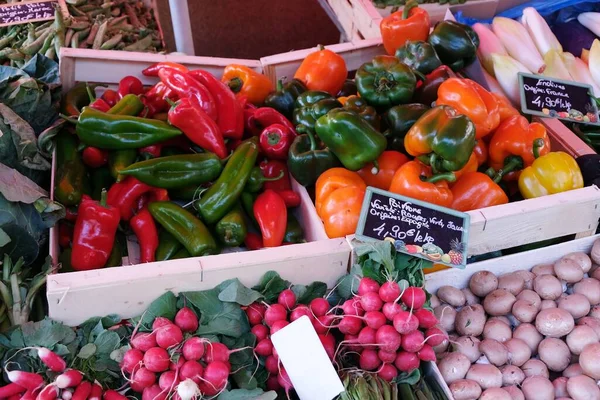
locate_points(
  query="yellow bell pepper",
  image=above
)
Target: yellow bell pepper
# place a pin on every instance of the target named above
(552, 173)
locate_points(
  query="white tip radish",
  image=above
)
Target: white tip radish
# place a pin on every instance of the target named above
(83, 391)
(113, 395)
(50, 392)
(96, 392)
(188, 390)
(28, 380)
(52, 360)
(69, 379)
(66, 394)
(10, 390)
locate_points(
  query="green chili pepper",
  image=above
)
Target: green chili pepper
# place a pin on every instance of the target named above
(257, 179)
(247, 199)
(71, 172)
(75, 99)
(284, 98)
(293, 230)
(167, 246)
(231, 229)
(182, 253)
(118, 160)
(130, 104)
(116, 255)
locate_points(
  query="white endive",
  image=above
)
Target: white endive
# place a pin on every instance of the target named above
(539, 31)
(590, 20)
(555, 66)
(506, 69)
(492, 83)
(518, 43)
(488, 44)
(579, 71)
(594, 61)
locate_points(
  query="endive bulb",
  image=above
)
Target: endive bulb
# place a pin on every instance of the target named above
(518, 43)
(590, 20)
(488, 44)
(555, 66)
(594, 61)
(492, 83)
(585, 56)
(579, 71)
(506, 69)
(539, 31)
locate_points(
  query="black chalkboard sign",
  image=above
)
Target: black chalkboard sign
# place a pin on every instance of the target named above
(555, 98)
(24, 12)
(417, 228)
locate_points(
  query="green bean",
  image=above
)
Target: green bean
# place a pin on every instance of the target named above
(112, 42)
(75, 2)
(79, 25)
(81, 35)
(115, 12)
(4, 53)
(77, 12)
(51, 53)
(88, 7)
(116, 21)
(36, 45)
(74, 42)
(69, 35)
(5, 41)
(99, 39)
(93, 32)
(47, 43)
(43, 26)
(16, 55)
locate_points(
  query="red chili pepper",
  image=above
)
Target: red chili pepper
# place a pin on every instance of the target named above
(130, 85)
(275, 141)
(124, 195)
(198, 126)
(100, 104)
(272, 169)
(157, 194)
(154, 98)
(145, 229)
(94, 157)
(152, 151)
(253, 241)
(65, 234)
(155, 68)
(231, 115)
(70, 214)
(94, 233)
(142, 202)
(110, 97)
(270, 212)
(264, 117)
(186, 86)
(291, 198)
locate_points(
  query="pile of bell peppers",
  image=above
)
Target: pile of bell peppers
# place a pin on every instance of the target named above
(190, 166)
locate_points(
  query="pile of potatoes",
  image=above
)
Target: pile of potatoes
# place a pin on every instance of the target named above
(532, 335)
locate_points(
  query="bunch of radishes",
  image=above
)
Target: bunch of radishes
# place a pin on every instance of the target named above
(163, 363)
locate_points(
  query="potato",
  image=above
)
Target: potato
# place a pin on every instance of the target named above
(583, 388)
(524, 311)
(543, 269)
(515, 392)
(538, 388)
(590, 288)
(572, 370)
(512, 282)
(581, 336)
(446, 315)
(451, 295)
(518, 351)
(469, 346)
(482, 283)
(555, 354)
(582, 259)
(470, 297)
(497, 330)
(594, 311)
(470, 320)
(530, 335)
(495, 352)
(547, 304)
(560, 386)
(576, 304)
(568, 270)
(588, 359)
(534, 367)
(531, 297)
(548, 287)
(454, 367)
(592, 322)
(595, 274)
(499, 302)
(495, 394)
(511, 375)
(528, 278)
(442, 347)
(595, 253)
(465, 389)
(434, 301)
(486, 375)
(501, 318)
(554, 322)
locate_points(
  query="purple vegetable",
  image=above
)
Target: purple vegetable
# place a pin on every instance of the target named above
(573, 36)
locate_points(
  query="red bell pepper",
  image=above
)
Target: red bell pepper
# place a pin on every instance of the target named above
(100, 105)
(152, 151)
(270, 212)
(272, 169)
(110, 97)
(144, 228)
(70, 214)
(94, 157)
(197, 126)
(124, 195)
(186, 86)
(264, 117)
(65, 234)
(275, 141)
(231, 114)
(253, 241)
(130, 85)
(94, 233)
(154, 69)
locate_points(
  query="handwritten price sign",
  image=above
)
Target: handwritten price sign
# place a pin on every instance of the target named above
(30, 11)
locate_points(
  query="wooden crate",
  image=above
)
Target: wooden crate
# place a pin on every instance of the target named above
(564, 138)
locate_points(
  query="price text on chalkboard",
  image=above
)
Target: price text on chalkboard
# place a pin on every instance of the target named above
(23, 12)
(555, 98)
(417, 228)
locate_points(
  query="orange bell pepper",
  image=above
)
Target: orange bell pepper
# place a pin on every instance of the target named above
(471, 99)
(244, 81)
(412, 23)
(515, 145)
(414, 180)
(323, 70)
(505, 107)
(341, 211)
(388, 163)
(333, 179)
(475, 190)
(471, 166)
(481, 152)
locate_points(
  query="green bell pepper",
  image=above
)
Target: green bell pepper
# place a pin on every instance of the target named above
(419, 55)
(307, 160)
(360, 106)
(348, 89)
(182, 253)
(399, 119)
(118, 160)
(231, 229)
(71, 173)
(167, 246)
(455, 44)
(312, 105)
(385, 82)
(293, 230)
(352, 139)
(284, 98)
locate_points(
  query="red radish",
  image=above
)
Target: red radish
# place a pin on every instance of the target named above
(406, 361)
(353, 307)
(388, 338)
(386, 356)
(191, 370)
(168, 380)
(328, 342)
(113, 395)
(160, 321)
(255, 313)
(414, 297)
(287, 298)
(96, 393)
(132, 360)
(350, 325)
(389, 292)
(141, 379)
(426, 353)
(156, 360)
(285, 382)
(278, 325)
(28, 380)
(14, 397)
(67, 394)
(349, 340)
(405, 322)
(319, 306)
(323, 323)
(387, 372)
(375, 319)
(368, 360)
(413, 341)
(390, 310)
(367, 285)
(260, 331)
(301, 311)
(216, 352)
(30, 395)
(367, 335)
(143, 341)
(273, 383)
(10, 390)
(264, 348)
(371, 302)
(50, 392)
(175, 366)
(69, 379)
(275, 353)
(168, 336)
(83, 391)
(426, 318)
(188, 390)
(435, 336)
(272, 365)
(186, 320)
(193, 348)
(52, 360)
(154, 393)
(214, 378)
(275, 312)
